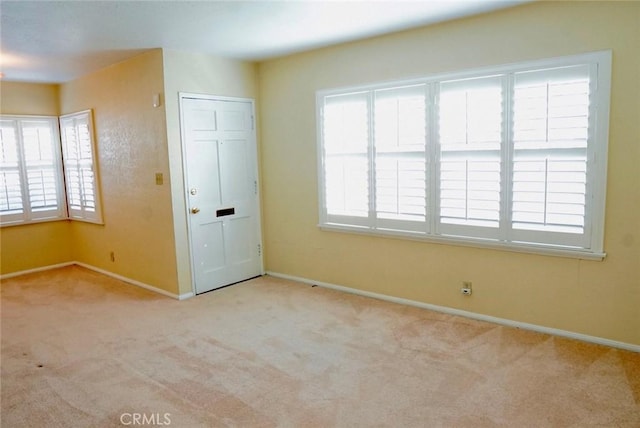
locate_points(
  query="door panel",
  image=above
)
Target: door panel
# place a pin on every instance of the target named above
(241, 250)
(210, 259)
(233, 120)
(234, 172)
(221, 175)
(206, 159)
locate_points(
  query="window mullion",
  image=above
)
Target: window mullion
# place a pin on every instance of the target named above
(506, 157)
(434, 166)
(592, 185)
(24, 175)
(429, 151)
(371, 153)
(61, 192)
(64, 193)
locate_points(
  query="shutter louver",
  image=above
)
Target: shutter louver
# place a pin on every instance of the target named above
(41, 165)
(470, 140)
(42, 189)
(30, 172)
(79, 166)
(346, 140)
(400, 156)
(11, 198)
(550, 133)
(10, 185)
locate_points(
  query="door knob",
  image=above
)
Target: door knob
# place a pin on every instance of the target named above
(195, 210)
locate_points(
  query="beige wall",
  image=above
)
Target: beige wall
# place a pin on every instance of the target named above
(200, 74)
(132, 148)
(35, 245)
(29, 98)
(601, 299)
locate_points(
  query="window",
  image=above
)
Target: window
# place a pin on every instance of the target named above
(34, 168)
(510, 157)
(30, 170)
(80, 170)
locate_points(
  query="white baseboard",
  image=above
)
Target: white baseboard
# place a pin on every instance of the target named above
(104, 272)
(466, 314)
(135, 282)
(39, 269)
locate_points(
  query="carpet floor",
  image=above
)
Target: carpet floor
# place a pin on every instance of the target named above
(83, 350)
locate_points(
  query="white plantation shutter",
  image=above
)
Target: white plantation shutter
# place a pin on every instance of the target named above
(11, 204)
(551, 118)
(511, 157)
(373, 158)
(346, 136)
(470, 141)
(78, 151)
(400, 156)
(30, 173)
(41, 165)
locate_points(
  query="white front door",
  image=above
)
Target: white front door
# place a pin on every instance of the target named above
(222, 190)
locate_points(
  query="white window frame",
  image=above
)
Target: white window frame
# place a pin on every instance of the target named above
(29, 214)
(63, 212)
(597, 150)
(85, 211)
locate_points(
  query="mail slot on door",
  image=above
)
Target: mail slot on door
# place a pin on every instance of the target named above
(225, 212)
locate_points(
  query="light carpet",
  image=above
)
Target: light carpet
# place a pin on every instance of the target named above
(80, 349)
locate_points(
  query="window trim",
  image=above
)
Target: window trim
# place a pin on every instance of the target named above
(82, 214)
(64, 212)
(27, 217)
(596, 157)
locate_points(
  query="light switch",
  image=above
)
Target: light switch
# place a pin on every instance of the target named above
(159, 179)
(156, 100)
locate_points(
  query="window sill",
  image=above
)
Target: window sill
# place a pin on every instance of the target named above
(27, 223)
(546, 250)
(49, 220)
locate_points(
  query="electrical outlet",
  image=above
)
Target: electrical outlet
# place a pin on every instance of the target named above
(466, 288)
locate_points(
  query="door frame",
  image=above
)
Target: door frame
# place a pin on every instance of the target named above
(185, 184)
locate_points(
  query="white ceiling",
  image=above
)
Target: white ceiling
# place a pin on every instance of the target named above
(57, 41)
